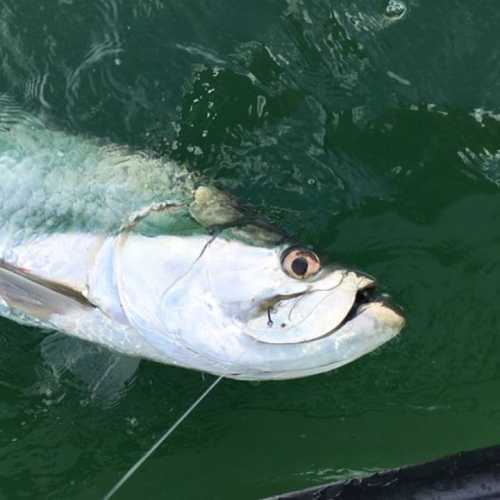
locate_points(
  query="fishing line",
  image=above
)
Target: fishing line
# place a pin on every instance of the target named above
(158, 443)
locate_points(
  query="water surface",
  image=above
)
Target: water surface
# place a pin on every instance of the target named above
(372, 133)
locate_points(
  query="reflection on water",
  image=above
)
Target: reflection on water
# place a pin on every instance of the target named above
(369, 129)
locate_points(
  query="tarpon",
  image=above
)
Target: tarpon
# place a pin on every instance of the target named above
(125, 250)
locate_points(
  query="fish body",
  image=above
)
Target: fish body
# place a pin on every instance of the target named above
(122, 249)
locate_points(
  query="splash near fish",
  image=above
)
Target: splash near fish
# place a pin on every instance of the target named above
(126, 250)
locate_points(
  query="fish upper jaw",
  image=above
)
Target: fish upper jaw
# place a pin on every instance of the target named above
(369, 300)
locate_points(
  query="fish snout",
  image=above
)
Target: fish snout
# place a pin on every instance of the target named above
(370, 299)
(391, 316)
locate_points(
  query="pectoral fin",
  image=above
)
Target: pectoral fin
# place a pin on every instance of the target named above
(102, 374)
(37, 297)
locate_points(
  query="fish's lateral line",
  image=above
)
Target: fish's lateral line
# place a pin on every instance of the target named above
(158, 443)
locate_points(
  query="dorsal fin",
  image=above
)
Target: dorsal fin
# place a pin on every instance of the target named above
(212, 207)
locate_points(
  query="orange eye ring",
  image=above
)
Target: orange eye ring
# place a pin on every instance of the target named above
(300, 263)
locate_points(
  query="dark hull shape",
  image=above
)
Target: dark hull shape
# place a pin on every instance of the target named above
(469, 475)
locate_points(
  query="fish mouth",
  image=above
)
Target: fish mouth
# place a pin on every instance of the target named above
(340, 299)
(369, 298)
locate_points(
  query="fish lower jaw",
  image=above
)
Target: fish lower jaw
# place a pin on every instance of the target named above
(384, 313)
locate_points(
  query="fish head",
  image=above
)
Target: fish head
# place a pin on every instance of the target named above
(291, 315)
(242, 300)
(252, 309)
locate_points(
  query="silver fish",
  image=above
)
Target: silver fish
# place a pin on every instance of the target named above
(122, 249)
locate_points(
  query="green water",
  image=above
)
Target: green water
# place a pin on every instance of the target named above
(374, 138)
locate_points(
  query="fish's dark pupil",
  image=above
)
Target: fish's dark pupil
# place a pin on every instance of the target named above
(299, 266)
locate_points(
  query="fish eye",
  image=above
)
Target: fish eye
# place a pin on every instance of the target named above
(300, 263)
